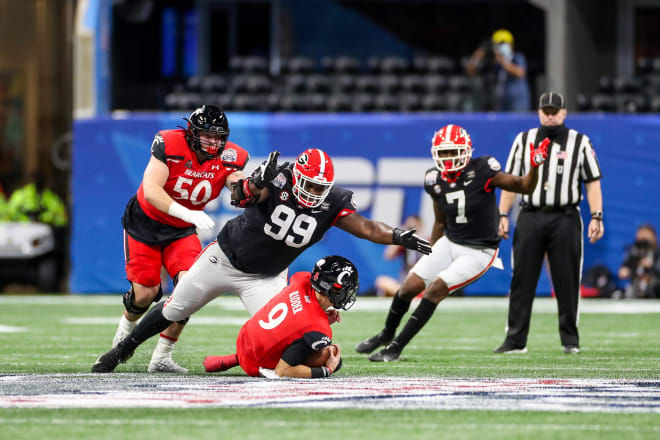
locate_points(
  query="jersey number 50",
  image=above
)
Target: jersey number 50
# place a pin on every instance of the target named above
(285, 220)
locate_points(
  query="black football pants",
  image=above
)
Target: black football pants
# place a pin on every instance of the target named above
(560, 235)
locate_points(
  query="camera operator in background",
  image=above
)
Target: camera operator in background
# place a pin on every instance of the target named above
(641, 265)
(506, 72)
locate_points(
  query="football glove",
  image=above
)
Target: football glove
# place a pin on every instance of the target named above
(241, 195)
(198, 218)
(539, 154)
(266, 172)
(410, 240)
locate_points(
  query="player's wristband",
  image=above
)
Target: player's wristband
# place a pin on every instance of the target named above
(503, 214)
(318, 372)
(597, 215)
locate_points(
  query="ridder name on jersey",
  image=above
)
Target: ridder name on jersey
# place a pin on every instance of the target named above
(296, 304)
(199, 174)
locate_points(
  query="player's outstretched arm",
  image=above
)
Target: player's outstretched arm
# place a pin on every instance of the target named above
(379, 232)
(527, 183)
(252, 190)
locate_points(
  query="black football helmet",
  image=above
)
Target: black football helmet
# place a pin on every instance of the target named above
(210, 121)
(337, 278)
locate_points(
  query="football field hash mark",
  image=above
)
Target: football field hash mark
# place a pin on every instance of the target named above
(158, 391)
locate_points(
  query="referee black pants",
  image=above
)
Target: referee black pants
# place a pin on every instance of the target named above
(559, 234)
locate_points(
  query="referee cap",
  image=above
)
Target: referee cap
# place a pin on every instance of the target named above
(502, 36)
(553, 100)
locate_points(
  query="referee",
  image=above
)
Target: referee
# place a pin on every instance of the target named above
(550, 222)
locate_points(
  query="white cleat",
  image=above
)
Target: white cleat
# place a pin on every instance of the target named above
(165, 365)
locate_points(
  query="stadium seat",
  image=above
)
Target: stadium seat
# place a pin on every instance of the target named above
(213, 84)
(363, 102)
(367, 84)
(644, 65)
(413, 84)
(249, 64)
(631, 103)
(605, 84)
(385, 102)
(339, 103)
(317, 83)
(248, 102)
(294, 83)
(409, 102)
(340, 64)
(582, 102)
(458, 102)
(434, 103)
(434, 64)
(389, 84)
(651, 83)
(302, 65)
(459, 83)
(194, 84)
(343, 83)
(293, 103)
(602, 103)
(624, 84)
(435, 83)
(655, 64)
(655, 104)
(388, 65)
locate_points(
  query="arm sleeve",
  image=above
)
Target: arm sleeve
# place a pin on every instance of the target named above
(299, 349)
(430, 179)
(158, 148)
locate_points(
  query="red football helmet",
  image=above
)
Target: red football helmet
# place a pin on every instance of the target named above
(313, 177)
(451, 148)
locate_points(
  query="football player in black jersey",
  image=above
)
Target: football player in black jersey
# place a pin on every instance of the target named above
(464, 236)
(287, 209)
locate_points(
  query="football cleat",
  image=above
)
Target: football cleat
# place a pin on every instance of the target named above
(213, 364)
(165, 364)
(571, 349)
(372, 343)
(390, 353)
(107, 362)
(509, 348)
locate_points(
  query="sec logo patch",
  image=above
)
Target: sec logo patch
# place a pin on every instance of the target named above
(284, 196)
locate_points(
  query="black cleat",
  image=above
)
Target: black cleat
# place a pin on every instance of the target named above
(508, 347)
(390, 353)
(372, 343)
(107, 362)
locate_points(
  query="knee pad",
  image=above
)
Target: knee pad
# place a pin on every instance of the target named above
(129, 303)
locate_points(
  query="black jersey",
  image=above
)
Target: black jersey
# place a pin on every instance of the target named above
(469, 204)
(268, 236)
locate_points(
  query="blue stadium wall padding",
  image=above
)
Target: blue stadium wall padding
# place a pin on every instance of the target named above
(381, 157)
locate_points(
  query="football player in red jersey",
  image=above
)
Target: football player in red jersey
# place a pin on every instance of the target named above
(464, 236)
(188, 168)
(279, 339)
(286, 212)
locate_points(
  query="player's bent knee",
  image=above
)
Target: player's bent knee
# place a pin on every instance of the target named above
(129, 303)
(437, 291)
(412, 286)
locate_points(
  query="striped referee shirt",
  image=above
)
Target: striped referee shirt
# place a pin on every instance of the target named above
(562, 174)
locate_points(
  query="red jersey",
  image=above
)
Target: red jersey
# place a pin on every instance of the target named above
(190, 183)
(292, 314)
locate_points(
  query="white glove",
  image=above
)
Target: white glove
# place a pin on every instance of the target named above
(198, 218)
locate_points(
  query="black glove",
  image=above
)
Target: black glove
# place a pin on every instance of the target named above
(410, 240)
(265, 172)
(241, 196)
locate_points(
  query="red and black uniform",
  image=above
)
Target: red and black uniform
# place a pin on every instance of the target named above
(291, 318)
(154, 238)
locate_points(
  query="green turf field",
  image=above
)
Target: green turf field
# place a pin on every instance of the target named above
(65, 334)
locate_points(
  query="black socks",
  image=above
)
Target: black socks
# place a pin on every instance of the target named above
(419, 318)
(398, 308)
(151, 324)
